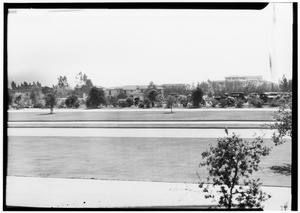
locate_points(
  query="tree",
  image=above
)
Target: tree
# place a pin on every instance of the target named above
(33, 97)
(13, 85)
(152, 95)
(230, 161)
(83, 84)
(197, 97)
(38, 84)
(283, 123)
(121, 95)
(62, 81)
(284, 84)
(129, 102)
(95, 97)
(50, 101)
(25, 85)
(171, 99)
(46, 90)
(204, 86)
(72, 101)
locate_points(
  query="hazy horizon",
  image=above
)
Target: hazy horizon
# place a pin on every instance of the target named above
(134, 47)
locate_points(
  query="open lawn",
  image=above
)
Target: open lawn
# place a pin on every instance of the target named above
(143, 115)
(143, 159)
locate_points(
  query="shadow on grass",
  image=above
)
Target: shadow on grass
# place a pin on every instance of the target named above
(286, 169)
(46, 114)
(169, 113)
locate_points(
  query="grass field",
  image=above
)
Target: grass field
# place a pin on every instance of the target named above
(147, 159)
(143, 115)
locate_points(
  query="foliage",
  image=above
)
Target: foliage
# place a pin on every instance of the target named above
(50, 101)
(113, 101)
(278, 102)
(83, 83)
(152, 96)
(197, 97)
(239, 103)
(121, 95)
(61, 103)
(230, 165)
(256, 102)
(144, 104)
(285, 84)
(62, 81)
(129, 102)
(171, 99)
(122, 103)
(283, 123)
(72, 102)
(17, 101)
(214, 102)
(95, 98)
(223, 103)
(183, 100)
(46, 90)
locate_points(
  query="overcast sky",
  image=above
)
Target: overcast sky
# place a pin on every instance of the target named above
(122, 47)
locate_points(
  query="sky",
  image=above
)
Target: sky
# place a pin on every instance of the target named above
(134, 47)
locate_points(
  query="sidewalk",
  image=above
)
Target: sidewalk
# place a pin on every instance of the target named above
(58, 192)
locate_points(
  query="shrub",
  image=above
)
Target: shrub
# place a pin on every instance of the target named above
(214, 103)
(183, 100)
(278, 102)
(159, 104)
(230, 165)
(147, 103)
(61, 104)
(197, 97)
(95, 98)
(141, 104)
(122, 103)
(72, 102)
(39, 104)
(239, 103)
(223, 103)
(256, 102)
(50, 101)
(283, 124)
(17, 101)
(129, 102)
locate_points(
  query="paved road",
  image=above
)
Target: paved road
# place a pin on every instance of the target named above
(66, 193)
(144, 124)
(130, 132)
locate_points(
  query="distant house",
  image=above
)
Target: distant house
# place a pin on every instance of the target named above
(25, 91)
(256, 80)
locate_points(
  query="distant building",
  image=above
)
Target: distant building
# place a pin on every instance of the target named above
(257, 80)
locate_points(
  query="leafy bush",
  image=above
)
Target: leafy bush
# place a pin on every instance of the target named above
(283, 124)
(129, 102)
(144, 104)
(50, 101)
(239, 103)
(256, 102)
(122, 103)
(39, 104)
(230, 165)
(223, 103)
(72, 101)
(183, 100)
(197, 97)
(147, 103)
(278, 102)
(61, 104)
(95, 98)
(214, 102)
